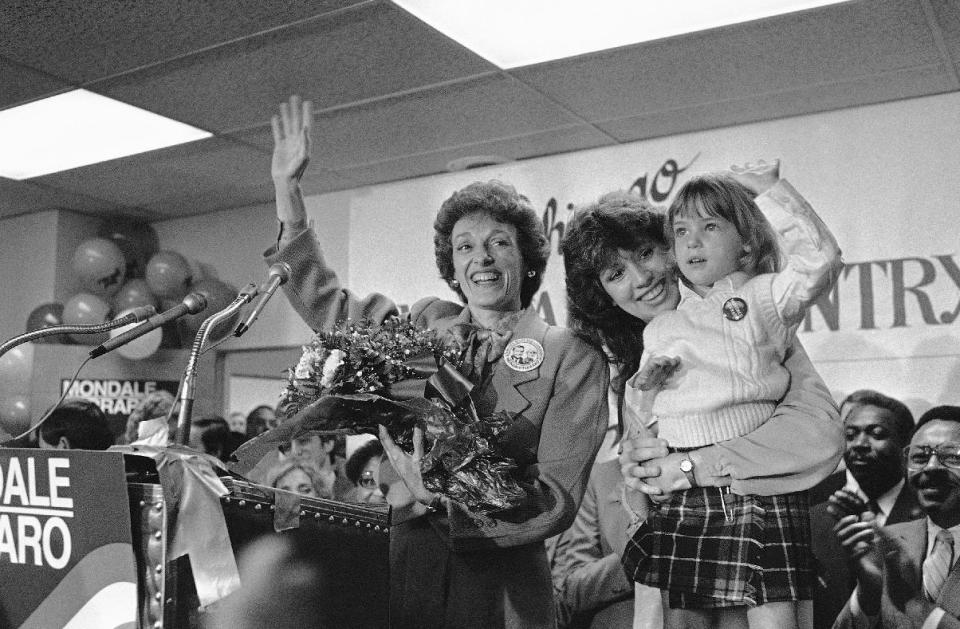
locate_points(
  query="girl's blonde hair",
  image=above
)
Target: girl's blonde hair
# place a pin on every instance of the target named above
(723, 196)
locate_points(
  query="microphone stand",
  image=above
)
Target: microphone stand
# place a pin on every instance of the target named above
(90, 328)
(188, 384)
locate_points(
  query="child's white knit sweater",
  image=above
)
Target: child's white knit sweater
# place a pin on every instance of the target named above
(732, 342)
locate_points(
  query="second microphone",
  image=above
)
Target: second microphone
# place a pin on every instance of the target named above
(191, 304)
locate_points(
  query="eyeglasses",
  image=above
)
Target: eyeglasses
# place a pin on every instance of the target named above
(367, 480)
(918, 457)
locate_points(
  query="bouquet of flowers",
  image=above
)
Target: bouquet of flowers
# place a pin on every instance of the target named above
(353, 378)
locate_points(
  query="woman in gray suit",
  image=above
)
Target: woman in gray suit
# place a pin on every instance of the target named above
(451, 567)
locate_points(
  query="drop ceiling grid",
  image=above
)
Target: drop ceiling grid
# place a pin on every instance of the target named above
(735, 62)
(357, 55)
(84, 40)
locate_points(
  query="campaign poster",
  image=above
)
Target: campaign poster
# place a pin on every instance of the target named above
(66, 555)
(116, 397)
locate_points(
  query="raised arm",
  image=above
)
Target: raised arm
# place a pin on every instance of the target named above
(313, 290)
(810, 260)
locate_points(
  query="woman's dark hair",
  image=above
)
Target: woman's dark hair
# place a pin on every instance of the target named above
(257, 420)
(594, 236)
(721, 195)
(504, 204)
(358, 460)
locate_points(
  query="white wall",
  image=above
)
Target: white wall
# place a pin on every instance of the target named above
(28, 272)
(886, 179)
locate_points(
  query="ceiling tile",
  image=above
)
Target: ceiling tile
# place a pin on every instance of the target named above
(22, 197)
(947, 15)
(516, 148)
(19, 84)
(867, 90)
(82, 40)
(484, 109)
(833, 44)
(353, 56)
(216, 170)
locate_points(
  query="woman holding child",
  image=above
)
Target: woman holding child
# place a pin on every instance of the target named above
(722, 559)
(451, 567)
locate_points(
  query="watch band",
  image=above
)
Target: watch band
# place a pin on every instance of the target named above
(686, 466)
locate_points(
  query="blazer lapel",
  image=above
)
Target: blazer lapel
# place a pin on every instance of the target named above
(509, 382)
(905, 508)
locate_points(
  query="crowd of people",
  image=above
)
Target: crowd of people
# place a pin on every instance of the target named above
(736, 493)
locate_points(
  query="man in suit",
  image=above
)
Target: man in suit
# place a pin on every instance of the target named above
(592, 589)
(907, 574)
(876, 429)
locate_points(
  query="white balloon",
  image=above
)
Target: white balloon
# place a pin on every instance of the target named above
(139, 348)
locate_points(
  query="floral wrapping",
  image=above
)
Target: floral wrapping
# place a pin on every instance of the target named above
(353, 378)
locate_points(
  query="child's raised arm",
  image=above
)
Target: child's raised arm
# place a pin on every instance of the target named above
(810, 255)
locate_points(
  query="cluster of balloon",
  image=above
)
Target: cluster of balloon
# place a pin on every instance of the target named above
(16, 372)
(122, 268)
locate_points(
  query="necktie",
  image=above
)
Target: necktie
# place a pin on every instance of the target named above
(937, 565)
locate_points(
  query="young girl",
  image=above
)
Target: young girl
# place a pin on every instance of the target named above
(712, 371)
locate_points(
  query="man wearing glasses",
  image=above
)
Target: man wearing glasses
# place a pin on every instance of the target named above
(907, 574)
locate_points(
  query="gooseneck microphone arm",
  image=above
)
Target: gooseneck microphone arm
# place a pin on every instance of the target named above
(188, 384)
(279, 273)
(191, 304)
(134, 316)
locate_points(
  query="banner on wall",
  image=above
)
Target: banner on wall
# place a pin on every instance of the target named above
(66, 555)
(117, 397)
(882, 177)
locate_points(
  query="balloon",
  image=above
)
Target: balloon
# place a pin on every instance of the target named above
(140, 347)
(85, 309)
(136, 240)
(46, 316)
(168, 275)
(219, 295)
(16, 370)
(14, 413)
(100, 266)
(133, 294)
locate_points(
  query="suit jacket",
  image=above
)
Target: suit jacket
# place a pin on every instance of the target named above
(462, 569)
(835, 580)
(592, 585)
(912, 537)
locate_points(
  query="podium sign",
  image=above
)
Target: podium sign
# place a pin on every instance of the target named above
(66, 558)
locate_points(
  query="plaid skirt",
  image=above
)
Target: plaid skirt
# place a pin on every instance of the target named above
(711, 548)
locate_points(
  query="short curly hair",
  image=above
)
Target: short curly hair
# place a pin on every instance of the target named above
(154, 405)
(594, 236)
(503, 203)
(284, 467)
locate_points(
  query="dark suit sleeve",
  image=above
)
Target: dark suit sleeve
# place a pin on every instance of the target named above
(589, 578)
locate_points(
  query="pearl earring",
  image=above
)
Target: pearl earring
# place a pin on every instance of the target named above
(531, 273)
(454, 283)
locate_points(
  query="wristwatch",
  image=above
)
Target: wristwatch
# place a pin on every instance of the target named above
(686, 466)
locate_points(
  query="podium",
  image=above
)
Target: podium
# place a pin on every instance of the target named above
(89, 538)
(348, 542)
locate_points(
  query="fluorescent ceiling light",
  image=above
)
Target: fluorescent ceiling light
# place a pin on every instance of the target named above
(512, 33)
(80, 128)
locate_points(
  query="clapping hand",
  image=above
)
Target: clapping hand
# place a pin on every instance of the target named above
(758, 177)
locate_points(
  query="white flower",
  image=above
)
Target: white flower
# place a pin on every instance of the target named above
(330, 367)
(305, 367)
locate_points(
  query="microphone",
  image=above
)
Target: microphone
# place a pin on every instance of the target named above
(191, 304)
(279, 273)
(138, 314)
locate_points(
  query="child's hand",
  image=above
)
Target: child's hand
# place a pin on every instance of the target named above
(655, 373)
(758, 177)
